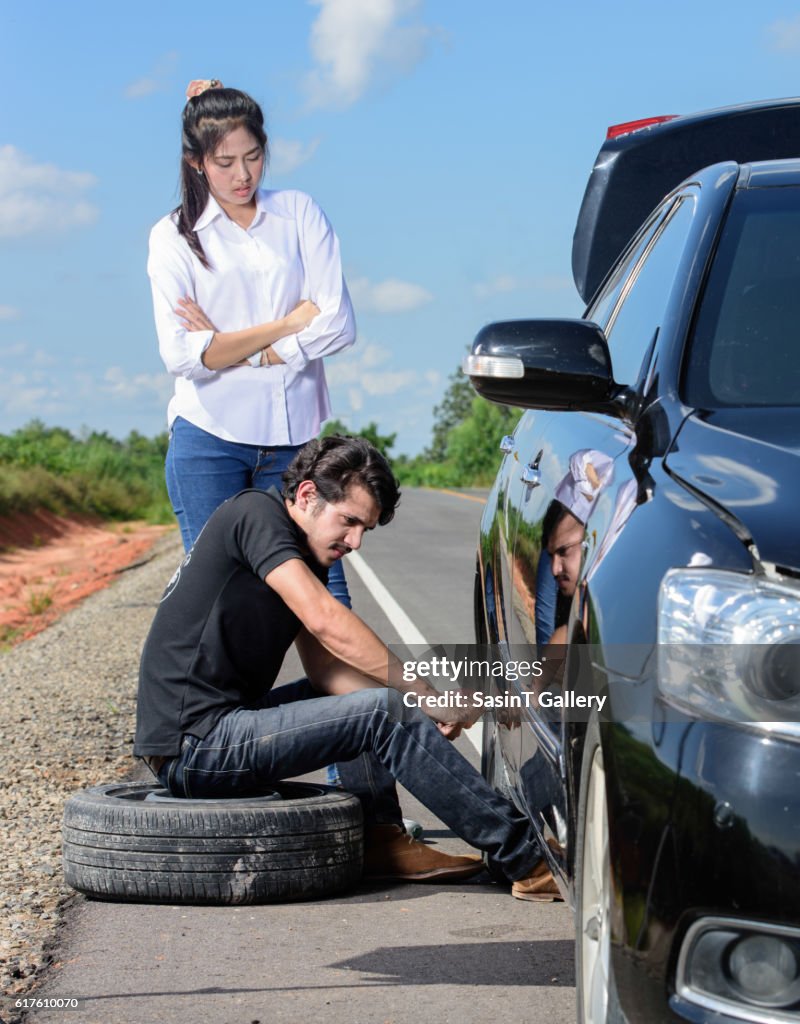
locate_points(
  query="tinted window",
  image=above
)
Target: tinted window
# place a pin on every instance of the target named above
(744, 349)
(634, 324)
(604, 304)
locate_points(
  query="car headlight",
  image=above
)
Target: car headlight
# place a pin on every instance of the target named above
(741, 969)
(729, 647)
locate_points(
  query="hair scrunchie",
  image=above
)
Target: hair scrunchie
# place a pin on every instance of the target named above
(199, 85)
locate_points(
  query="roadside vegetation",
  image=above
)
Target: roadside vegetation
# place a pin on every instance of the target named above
(95, 474)
(49, 468)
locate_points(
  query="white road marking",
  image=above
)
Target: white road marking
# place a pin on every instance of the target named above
(406, 630)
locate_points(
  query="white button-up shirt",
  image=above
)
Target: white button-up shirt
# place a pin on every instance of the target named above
(288, 253)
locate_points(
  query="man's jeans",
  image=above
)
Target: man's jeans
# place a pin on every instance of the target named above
(295, 733)
(202, 471)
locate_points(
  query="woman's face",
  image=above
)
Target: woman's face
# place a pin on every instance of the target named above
(234, 169)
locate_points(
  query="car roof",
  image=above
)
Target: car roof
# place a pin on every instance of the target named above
(636, 169)
(770, 174)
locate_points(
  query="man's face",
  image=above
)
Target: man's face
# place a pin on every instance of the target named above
(335, 529)
(565, 548)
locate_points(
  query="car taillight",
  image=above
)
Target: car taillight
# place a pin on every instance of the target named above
(634, 126)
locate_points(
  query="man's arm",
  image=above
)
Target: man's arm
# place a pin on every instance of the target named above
(340, 631)
(328, 674)
(351, 650)
(331, 677)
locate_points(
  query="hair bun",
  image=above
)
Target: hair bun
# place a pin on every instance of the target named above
(199, 85)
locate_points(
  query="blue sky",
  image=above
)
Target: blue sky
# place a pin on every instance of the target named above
(449, 142)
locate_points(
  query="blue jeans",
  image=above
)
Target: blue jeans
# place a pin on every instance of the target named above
(202, 471)
(546, 598)
(297, 732)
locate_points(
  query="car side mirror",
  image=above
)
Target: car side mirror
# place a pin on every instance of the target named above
(544, 364)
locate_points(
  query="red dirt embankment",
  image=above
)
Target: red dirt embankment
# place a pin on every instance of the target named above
(48, 564)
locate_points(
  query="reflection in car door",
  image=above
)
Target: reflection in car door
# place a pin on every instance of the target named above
(583, 477)
(518, 491)
(578, 469)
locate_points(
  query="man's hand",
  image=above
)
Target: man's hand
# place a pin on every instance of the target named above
(450, 730)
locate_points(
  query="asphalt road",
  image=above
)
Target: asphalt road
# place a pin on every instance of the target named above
(388, 954)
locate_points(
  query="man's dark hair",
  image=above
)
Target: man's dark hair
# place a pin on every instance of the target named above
(336, 463)
(556, 511)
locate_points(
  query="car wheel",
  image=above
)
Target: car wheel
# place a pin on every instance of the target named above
(596, 990)
(133, 841)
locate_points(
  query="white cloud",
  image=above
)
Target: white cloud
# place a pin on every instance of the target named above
(34, 383)
(42, 358)
(367, 386)
(496, 285)
(19, 348)
(388, 382)
(41, 197)
(389, 296)
(374, 355)
(135, 387)
(502, 283)
(9, 313)
(33, 359)
(24, 397)
(356, 42)
(783, 35)
(288, 154)
(349, 367)
(366, 367)
(156, 80)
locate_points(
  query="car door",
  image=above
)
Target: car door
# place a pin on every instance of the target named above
(521, 495)
(583, 468)
(579, 466)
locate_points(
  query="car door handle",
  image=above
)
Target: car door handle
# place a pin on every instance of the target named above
(507, 445)
(531, 474)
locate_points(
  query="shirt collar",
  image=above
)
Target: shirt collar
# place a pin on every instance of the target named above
(211, 212)
(265, 204)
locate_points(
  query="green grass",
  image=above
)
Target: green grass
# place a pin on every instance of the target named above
(8, 634)
(49, 468)
(39, 602)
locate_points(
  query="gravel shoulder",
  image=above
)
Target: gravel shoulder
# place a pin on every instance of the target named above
(68, 698)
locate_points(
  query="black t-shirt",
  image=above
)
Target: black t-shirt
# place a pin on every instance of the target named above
(221, 633)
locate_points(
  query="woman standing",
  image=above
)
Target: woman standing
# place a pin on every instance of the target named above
(249, 297)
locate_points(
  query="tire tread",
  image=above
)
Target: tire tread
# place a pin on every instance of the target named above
(211, 852)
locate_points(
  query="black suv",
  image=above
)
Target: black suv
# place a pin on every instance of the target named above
(643, 539)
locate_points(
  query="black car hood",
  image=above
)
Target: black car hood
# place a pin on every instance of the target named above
(747, 461)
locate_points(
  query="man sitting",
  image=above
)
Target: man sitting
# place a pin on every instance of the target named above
(210, 725)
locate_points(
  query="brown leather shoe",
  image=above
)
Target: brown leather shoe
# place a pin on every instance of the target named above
(390, 854)
(538, 887)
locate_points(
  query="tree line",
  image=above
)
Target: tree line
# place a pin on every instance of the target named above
(95, 474)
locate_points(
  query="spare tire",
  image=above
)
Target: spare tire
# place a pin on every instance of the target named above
(133, 841)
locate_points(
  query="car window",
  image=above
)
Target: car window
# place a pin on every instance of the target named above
(645, 296)
(744, 350)
(603, 306)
